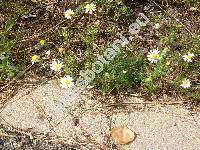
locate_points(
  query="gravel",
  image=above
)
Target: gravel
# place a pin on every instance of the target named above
(13, 140)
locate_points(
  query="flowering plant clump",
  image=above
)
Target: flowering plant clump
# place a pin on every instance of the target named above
(34, 59)
(68, 14)
(103, 45)
(89, 8)
(188, 57)
(186, 83)
(56, 65)
(153, 56)
(66, 82)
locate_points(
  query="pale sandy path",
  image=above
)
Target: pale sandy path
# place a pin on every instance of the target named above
(44, 110)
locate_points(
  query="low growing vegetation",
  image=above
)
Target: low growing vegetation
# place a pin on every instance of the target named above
(59, 39)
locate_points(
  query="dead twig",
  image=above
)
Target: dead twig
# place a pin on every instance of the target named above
(6, 135)
(146, 103)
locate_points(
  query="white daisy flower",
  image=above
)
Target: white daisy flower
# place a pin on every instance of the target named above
(34, 59)
(153, 56)
(188, 57)
(66, 82)
(186, 83)
(68, 14)
(56, 65)
(89, 8)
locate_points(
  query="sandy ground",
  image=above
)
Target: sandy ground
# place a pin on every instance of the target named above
(83, 121)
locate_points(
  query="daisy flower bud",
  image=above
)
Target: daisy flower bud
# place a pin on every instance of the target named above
(97, 23)
(48, 52)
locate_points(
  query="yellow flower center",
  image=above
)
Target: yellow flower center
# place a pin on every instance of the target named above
(42, 42)
(68, 13)
(184, 83)
(189, 57)
(154, 56)
(67, 82)
(34, 58)
(57, 66)
(89, 7)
